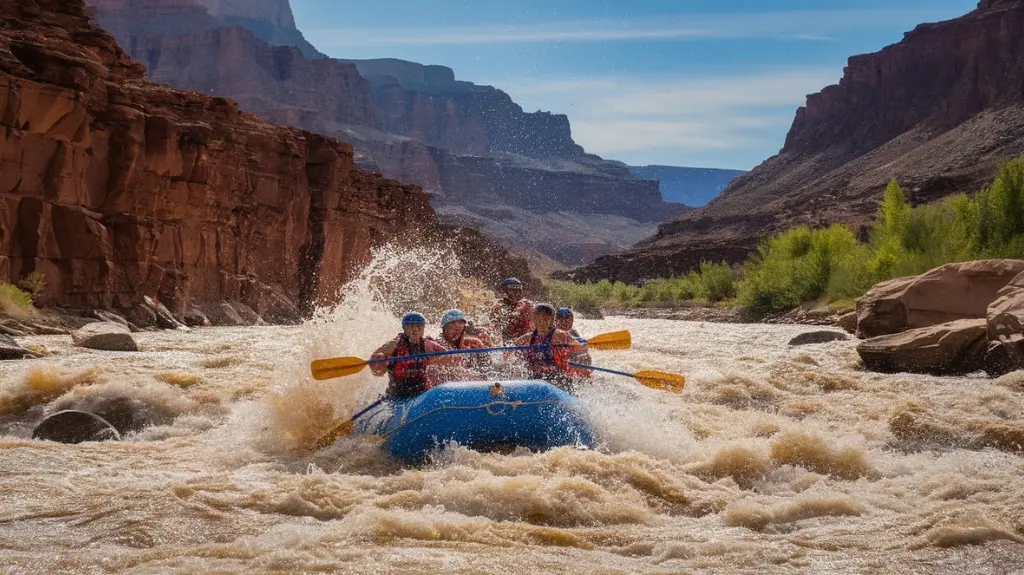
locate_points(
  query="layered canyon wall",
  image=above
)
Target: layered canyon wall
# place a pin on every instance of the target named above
(468, 146)
(116, 188)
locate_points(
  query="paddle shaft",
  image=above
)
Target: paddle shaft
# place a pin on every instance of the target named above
(606, 370)
(457, 351)
(368, 408)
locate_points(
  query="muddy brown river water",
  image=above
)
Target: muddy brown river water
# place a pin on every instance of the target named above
(774, 459)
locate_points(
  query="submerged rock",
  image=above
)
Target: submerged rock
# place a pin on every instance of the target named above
(107, 336)
(73, 426)
(812, 337)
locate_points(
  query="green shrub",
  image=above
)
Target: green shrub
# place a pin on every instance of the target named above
(14, 300)
(796, 266)
(624, 294)
(34, 283)
(714, 282)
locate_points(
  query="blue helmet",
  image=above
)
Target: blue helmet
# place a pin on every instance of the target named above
(512, 282)
(564, 312)
(413, 318)
(452, 315)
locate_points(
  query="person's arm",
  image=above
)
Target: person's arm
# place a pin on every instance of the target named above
(383, 351)
(480, 360)
(575, 351)
(432, 346)
(521, 340)
(560, 350)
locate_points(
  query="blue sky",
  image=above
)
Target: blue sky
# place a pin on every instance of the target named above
(711, 83)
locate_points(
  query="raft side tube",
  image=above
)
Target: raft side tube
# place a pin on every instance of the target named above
(481, 415)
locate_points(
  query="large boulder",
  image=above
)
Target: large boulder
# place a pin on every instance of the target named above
(109, 316)
(141, 316)
(193, 317)
(947, 293)
(277, 309)
(103, 335)
(1006, 314)
(9, 349)
(953, 348)
(248, 315)
(164, 318)
(224, 314)
(1006, 329)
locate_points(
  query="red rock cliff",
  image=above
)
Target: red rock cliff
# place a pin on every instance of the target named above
(465, 144)
(939, 111)
(116, 188)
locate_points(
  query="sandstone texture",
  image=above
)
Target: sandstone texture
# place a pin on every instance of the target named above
(948, 293)
(939, 110)
(470, 147)
(953, 348)
(954, 319)
(118, 189)
(1005, 318)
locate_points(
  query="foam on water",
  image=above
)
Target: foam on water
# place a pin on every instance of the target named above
(772, 459)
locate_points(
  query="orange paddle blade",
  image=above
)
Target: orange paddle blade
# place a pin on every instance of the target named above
(610, 341)
(661, 380)
(336, 367)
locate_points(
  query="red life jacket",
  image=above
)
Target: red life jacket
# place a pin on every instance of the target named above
(548, 363)
(407, 377)
(546, 360)
(516, 321)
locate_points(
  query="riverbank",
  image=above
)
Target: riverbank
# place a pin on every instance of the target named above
(811, 315)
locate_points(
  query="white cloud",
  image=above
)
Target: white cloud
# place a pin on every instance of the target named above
(808, 25)
(628, 116)
(654, 95)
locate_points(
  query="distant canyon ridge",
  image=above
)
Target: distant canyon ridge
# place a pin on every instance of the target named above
(940, 111)
(518, 177)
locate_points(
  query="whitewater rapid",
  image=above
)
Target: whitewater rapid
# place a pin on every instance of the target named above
(774, 459)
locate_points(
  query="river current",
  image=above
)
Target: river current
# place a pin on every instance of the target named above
(773, 459)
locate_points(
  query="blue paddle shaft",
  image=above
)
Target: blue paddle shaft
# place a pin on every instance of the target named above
(368, 408)
(451, 352)
(574, 364)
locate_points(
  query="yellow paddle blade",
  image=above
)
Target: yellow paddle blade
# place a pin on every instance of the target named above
(343, 430)
(336, 367)
(661, 380)
(609, 341)
(328, 438)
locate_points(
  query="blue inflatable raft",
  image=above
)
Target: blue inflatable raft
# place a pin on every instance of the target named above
(481, 415)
